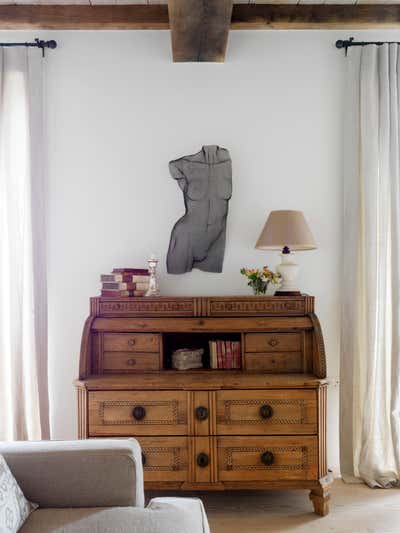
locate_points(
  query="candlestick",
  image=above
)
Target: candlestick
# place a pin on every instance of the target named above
(153, 289)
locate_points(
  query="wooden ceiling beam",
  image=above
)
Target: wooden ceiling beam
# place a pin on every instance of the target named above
(84, 17)
(155, 17)
(306, 16)
(199, 29)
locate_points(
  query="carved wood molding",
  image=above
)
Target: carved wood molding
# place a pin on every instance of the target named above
(207, 306)
(255, 307)
(82, 413)
(148, 307)
(175, 465)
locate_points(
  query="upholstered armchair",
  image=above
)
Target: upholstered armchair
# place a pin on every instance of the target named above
(94, 485)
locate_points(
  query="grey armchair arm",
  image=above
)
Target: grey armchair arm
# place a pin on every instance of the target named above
(84, 473)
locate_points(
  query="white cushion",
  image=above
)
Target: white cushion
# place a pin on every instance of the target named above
(14, 507)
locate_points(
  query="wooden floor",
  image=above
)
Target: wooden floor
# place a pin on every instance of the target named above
(354, 509)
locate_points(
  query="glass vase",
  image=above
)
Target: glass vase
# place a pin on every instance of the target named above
(259, 288)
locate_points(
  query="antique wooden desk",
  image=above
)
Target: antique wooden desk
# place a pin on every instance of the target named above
(260, 427)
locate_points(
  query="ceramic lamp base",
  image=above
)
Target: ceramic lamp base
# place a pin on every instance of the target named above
(288, 269)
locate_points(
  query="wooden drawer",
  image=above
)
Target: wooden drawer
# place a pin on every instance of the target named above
(164, 458)
(275, 362)
(267, 458)
(114, 362)
(118, 413)
(273, 342)
(262, 412)
(131, 342)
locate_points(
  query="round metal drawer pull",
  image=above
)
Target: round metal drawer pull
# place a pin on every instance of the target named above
(267, 458)
(273, 342)
(203, 460)
(131, 342)
(201, 413)
(143, 459)
(131, 362)
(139, 412)
(266, 411)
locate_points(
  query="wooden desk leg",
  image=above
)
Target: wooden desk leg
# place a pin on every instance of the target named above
(321, 495)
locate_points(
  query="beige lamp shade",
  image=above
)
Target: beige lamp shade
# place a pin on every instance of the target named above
(286, 228)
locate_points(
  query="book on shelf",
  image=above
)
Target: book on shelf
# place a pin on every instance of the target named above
(213, 354)
(229, 355)
(121, 294)
(124, 278)
(132, 271)
(237, 355)
(219, 354)
(225, 355)
(116, 286)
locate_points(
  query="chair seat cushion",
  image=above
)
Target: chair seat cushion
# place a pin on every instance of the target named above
(184, 516)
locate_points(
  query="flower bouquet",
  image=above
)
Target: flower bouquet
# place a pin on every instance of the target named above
(259, 279)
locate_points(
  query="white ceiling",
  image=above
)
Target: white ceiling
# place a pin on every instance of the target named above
(54, 2)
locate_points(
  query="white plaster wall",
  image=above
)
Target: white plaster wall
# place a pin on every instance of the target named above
(118, 110)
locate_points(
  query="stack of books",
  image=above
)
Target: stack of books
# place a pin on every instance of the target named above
(225, 355)
(125, 282)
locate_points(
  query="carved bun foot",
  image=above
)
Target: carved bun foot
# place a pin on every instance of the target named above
(321, 495)
(320, 502)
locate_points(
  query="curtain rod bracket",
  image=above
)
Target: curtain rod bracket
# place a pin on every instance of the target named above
(345, 44)
(45, 44)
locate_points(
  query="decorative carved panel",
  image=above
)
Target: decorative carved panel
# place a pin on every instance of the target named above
(300, 451)
(256, 307)
(175, 464)
(170, 409)
(299, 413)
(148, 307)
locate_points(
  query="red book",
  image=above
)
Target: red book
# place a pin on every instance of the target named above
(229, 355)
(233, 365)
(121, 294)
(234, 356)
(136, 271)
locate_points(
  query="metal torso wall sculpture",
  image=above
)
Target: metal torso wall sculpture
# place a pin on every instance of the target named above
(198, 238)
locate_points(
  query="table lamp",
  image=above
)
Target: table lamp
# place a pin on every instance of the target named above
(287, 231)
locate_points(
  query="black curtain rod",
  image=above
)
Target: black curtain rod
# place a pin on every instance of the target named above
(351, 42)
(38, 43)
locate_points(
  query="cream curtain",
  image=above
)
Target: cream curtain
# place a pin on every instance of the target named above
(370, 363)
(23, 313)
